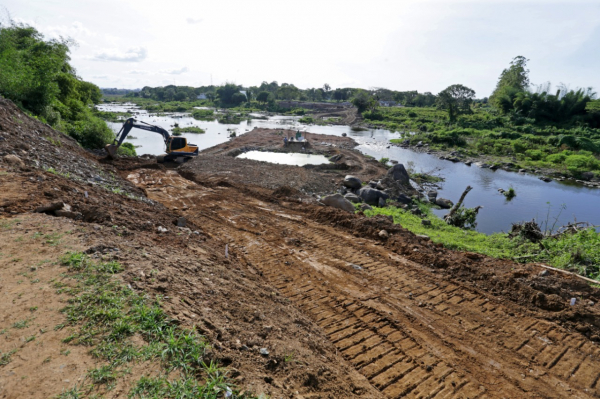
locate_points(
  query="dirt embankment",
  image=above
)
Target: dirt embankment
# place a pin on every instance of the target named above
(223, 298)
(343, 308)
(220, 161)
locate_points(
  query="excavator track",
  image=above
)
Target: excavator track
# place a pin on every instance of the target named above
(409, 332)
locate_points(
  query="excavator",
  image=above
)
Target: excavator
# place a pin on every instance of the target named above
(177, 147)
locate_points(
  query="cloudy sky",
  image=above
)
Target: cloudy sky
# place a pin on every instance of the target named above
(420, 45)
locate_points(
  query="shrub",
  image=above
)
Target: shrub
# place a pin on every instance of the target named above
(91, 132)
(536, 155)
(581, 163)
(127, 149)
(557, 158)
(203, 114)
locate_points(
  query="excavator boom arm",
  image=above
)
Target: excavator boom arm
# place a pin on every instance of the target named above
(131, 123)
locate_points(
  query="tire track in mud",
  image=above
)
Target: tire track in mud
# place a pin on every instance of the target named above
(408, 332)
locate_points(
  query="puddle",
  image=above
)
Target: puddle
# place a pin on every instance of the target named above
(293, 158)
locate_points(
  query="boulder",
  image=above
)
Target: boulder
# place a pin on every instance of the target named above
(338, 201)
(398, 173)
(50, 207)
(404, 199)
(352, 182)
(373, 184)
(381, 202)
(426, 222)
(365, 207)
(432, 195)
(336, 158)
(13, 160)
(383, 234)
(371, 195)
(444, 203)
(353, 198)
(587, 176)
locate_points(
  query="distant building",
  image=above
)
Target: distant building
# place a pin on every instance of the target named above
(387, 103)
(202, 96)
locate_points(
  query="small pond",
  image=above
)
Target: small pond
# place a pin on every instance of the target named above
(291, 158)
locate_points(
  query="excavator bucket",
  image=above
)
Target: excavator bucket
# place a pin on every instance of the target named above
(111, 150)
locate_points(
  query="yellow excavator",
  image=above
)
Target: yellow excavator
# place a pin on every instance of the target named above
(177, 147)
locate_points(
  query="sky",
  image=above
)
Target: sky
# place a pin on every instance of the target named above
(422, 45)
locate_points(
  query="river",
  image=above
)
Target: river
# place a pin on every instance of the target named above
(535, 198)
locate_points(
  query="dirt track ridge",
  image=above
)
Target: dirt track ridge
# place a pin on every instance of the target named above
(410, 333)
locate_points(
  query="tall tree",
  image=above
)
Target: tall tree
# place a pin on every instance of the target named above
(457, 99)
(512, 80)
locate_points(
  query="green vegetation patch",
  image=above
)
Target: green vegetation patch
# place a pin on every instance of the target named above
(203, 114)
(177, 131)
(578, 252)
(105, 315)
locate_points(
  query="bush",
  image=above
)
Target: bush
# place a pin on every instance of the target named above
(203, 114)
(91, 132)
(127, 149)
(535, 155)
(557, 158)
(581, 163)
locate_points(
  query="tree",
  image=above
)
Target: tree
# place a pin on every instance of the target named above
(326, 90)
(456, 99)
(512, 80)
(363, 101)
(237, 98)
(226, 93)
(263, 97)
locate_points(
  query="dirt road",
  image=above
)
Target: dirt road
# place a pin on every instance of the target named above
(404, 326)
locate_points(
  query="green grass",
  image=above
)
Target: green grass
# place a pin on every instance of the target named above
(22, 324)
(177, 131)
(105, 315)
(496, 245)
(579, 252)
(5, 357)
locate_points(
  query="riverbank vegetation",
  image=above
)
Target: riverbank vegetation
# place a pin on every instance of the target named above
(577, 251)
(177, 131)
(35, 74)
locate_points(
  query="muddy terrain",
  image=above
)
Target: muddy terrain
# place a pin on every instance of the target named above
(345, 306)
(221, 161)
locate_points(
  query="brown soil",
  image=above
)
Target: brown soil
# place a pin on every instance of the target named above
(344, 310)
(221, 161)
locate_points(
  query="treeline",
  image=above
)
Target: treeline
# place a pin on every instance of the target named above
(36, 75)
(231, 94)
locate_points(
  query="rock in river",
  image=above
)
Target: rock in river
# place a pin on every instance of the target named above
(444, 203)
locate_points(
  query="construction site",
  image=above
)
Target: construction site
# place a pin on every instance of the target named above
(296, 299)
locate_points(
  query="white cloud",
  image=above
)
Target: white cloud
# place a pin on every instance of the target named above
(176, 71)
(135, 54)
(138, 72)
(100, 77)
(194, 21)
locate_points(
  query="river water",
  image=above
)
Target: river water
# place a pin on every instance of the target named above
(535, 198)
